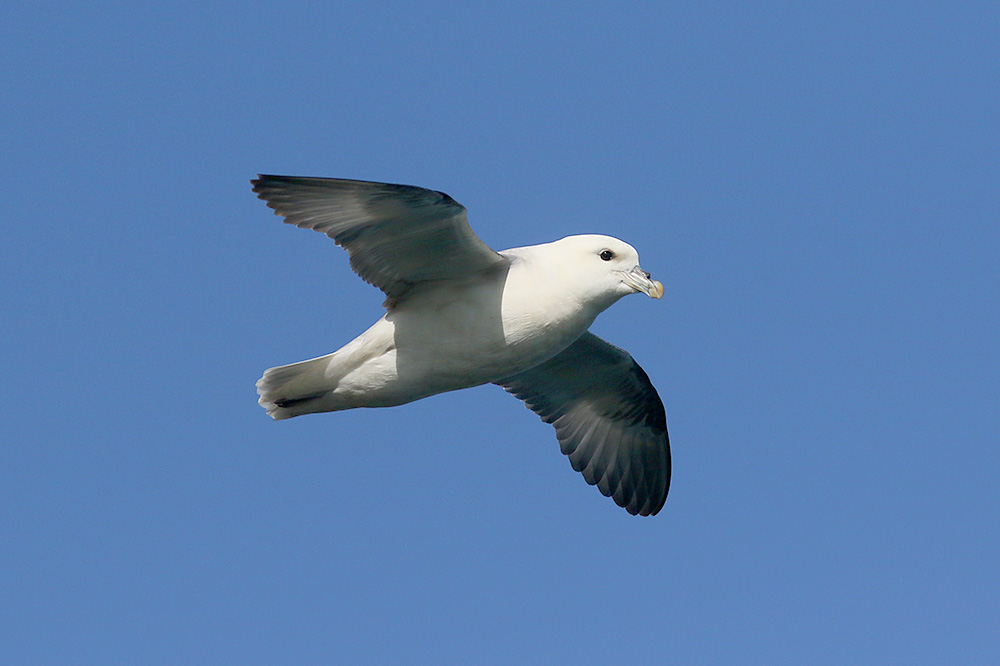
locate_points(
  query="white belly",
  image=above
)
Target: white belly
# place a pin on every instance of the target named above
(443, 340)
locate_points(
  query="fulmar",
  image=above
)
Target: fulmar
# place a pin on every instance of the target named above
(459, 314)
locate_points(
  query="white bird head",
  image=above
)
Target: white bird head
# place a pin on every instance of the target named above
(609, 266)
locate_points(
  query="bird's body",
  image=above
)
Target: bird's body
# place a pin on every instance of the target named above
(443, 338)
(468, 316)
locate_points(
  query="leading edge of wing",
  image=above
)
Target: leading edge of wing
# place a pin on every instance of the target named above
(397, 236)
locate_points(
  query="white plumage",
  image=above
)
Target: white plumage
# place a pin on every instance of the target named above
(459, 314)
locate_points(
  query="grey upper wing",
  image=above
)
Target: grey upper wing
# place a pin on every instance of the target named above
(608, 418)
(397, 235)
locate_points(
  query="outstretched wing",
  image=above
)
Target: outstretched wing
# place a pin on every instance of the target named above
(397, 235)
(608, 418)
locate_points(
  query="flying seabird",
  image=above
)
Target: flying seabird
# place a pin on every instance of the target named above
(459, 314)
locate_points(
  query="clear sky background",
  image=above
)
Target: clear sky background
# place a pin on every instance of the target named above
(816, 185)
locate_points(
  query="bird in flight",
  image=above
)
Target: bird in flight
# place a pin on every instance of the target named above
(459, 314)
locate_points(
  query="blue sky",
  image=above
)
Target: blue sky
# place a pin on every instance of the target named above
(816, 186)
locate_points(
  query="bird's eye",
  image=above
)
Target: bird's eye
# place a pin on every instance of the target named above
(607, 255)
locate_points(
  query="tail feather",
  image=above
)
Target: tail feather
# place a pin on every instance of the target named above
(292, 390)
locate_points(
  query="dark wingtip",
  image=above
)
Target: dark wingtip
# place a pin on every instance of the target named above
(261, 181)
(264, 187)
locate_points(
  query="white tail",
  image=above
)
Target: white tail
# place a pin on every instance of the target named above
(292, 390)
